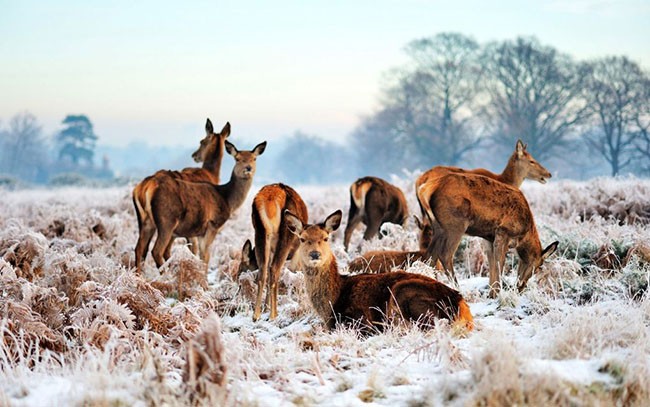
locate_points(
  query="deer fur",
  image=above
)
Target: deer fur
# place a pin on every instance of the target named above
(374, 202)
(194, 209)
(210, 152)
(368, 299)
(387, 260)
(521, 165)
(274, 244)
(480, 206)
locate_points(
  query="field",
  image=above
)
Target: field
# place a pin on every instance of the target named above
(78, 327)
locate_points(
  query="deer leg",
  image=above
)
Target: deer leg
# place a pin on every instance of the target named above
(449, 244)
(263, 251)
(165, 235)
(142, 246)
(279, 259)
(496, 258)
(353, 222)
(194, 246)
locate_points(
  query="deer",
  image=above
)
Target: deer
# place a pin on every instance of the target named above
(464, 203)
(387, 260)
(274, 243)
(210, 152)
(370, 300)
(374, 202)
(521, 165)
(181, 208)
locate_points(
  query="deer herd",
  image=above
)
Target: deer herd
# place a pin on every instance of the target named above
(454, 202)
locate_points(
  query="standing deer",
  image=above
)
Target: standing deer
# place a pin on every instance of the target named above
(194, 209)
(521, 165)
(210, 152)
(274, 243)
(374, 202)
(368, 298)
(387, 260)
(481, 206)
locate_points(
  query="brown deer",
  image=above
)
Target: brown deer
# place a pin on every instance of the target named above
(521, 165)
(374, 202)
(385, 261)
(274, 243)
(210, 152)
(369, 299)
(480, 206)
(194, 209)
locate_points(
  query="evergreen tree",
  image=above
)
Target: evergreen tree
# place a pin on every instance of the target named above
(77, 140)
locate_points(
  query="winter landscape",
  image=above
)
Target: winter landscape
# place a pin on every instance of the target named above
(80, 328)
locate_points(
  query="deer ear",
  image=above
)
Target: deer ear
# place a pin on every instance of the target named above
(259, 149)
(520, 148)
(418, 222)
(230, 148)
(208, 127)
(225, 132)
(550, 249)
(293, 223)
(333, 221)
(247, 249)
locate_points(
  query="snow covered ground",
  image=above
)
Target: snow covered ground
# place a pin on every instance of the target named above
(78, 327)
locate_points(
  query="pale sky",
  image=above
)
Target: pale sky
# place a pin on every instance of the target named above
(154, 70)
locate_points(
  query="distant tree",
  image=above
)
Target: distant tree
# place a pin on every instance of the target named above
(535, 95)
(428, 113)
(642, 124)
(616, 94)
(77, 140)
(312, 160)
(23, 148)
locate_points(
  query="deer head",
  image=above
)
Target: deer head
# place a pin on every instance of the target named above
(210, 142)
(314, 250)
(248, 259)
(526, 165)
(529, 263)
(245, 161)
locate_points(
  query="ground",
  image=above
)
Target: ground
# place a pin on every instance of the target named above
(78, 327)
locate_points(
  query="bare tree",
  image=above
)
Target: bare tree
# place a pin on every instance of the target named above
(428, 111)
(23, 147)
(535, 95)
(616, 91)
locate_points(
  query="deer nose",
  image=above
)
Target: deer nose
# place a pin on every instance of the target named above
(314, 255)
(249, 168)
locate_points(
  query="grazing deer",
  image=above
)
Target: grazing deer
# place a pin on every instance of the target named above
(194, 209)
(210, 152)
(274, 243)
(521, 165)
(481, 206)
(374, 202)
(385, 261)
(368, 298)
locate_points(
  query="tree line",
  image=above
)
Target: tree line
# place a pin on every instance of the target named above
(27, 155)
(458, 102)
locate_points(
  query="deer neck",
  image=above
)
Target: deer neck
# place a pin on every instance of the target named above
(235, 191)
(324, 287)
(213, 163)
(510, 175)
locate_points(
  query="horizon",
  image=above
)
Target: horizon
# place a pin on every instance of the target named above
(153, 72)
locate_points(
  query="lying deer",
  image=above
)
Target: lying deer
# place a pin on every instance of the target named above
(210, 152)
(385, 261)
(521, 165)
(481, 206)
(374, 202)
(368, 298)
(273, 241)
(194, 209)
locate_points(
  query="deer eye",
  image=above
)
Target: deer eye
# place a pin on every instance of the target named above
(303, 240)
(326, 239)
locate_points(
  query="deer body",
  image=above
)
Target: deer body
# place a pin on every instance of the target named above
(385, 261)
(210, 152)
(480, 206)
(274, 244)
(368, 298)
(521, 165)
(374, 202)
(194, 209)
